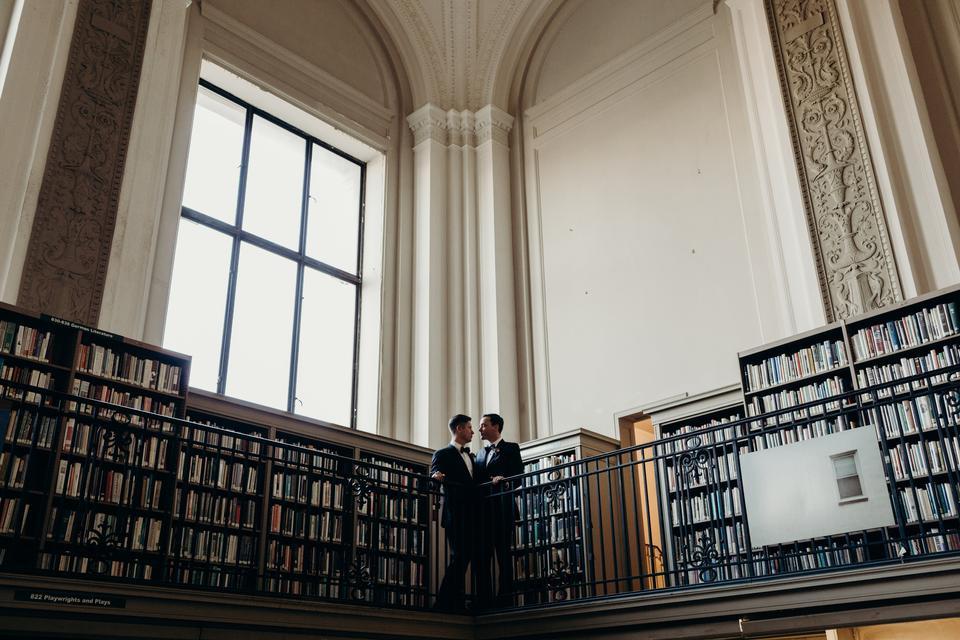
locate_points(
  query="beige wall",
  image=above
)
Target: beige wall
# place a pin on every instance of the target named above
(948, 629)
(642, 223)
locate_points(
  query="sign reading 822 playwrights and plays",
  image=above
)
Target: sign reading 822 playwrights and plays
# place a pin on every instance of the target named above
(70, 598)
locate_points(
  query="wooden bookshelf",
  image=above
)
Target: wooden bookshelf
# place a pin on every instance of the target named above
(86, 489)
(700, 502)
(920, 434)
(338, 521)
(556, 555)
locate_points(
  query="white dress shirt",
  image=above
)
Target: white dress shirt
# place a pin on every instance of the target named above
(465, 456)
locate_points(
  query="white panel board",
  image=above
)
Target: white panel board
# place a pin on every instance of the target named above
(790, 492)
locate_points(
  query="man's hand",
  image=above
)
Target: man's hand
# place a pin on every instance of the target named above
(438, 475)
(496, 479)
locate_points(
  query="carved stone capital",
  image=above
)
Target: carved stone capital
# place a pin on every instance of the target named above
(460, 128)
(429, 122)
(493, 124)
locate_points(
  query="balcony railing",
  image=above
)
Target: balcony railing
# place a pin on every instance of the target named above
(98, 491)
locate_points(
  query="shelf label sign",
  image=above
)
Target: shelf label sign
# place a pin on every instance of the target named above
(76, 325)
(70, 598)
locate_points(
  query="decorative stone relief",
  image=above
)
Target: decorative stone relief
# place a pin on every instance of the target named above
(66, 262)
(845, 217)
(460, 128)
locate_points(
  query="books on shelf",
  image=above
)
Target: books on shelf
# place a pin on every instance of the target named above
(127, 367)
(791, 366)
(24, 341)
(928, 503)
(912, 329)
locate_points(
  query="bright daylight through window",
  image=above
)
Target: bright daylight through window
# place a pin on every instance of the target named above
(265, 292)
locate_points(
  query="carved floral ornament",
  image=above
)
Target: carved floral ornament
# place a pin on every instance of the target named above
(845, 217)
(66, 262)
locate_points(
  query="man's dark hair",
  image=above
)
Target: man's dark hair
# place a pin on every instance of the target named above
(458, 420)
(495, 419)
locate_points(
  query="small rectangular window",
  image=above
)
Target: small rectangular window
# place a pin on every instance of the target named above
(848, 478)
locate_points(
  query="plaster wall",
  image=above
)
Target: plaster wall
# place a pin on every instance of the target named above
(319, 31)
(640, 226)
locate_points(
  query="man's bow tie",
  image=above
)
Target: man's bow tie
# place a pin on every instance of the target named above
(464, 449)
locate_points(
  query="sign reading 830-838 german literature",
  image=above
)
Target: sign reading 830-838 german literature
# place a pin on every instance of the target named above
(68, 598)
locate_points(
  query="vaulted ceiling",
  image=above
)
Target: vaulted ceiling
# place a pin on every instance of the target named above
(456, 50)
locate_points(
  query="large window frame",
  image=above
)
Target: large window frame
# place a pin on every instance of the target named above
(238, 236)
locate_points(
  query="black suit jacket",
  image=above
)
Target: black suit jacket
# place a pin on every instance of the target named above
(459, 487)
(504, 461)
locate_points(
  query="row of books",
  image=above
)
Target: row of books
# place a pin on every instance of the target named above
(723, 469)
(217, 576)
(821, 390)
(798, 433)
(25, 376)
(297, 557)
(396, 539)
(392, 570)
(706, 433)
(948, 356)
(13, 470)
(29, 428)
(131, 447)
(555, 530)
(929, 503)
(700, 508)
(208, 508)
(72, 563)
(934, 542)
(399, 508)
(204, 545)
(106, 393)
(26, 342)
(918, 459)
(299, 487)
(311, 587)
(800, 557)
(124, 366)
(325, 526)
(904, 418)
(307, 457)
(727, 540)
(551, 468)
(210, 471)
(393, 474)
(219, 439)
(137, 533)
(537, 504)
(13, 519)
(787, 367)
(538, 564)
(93, 482)
(911, 330)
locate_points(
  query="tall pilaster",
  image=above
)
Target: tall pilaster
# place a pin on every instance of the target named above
(430, 375)
(498, 330)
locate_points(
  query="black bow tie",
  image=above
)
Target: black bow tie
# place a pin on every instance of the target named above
(491, 447)
(464, 449)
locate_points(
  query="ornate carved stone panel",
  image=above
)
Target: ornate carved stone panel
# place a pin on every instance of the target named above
(847, 227)
(66, 262)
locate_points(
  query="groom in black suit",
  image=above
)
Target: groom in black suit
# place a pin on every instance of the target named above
(454, 466)
(497, 461)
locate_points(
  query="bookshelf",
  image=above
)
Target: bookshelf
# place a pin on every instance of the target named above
(217, 505)
(396, 520)
(85, 488)
(698, 475)
(337, 520)
(920, 433)
(307, 541)
(109, 512)
(555, 541)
